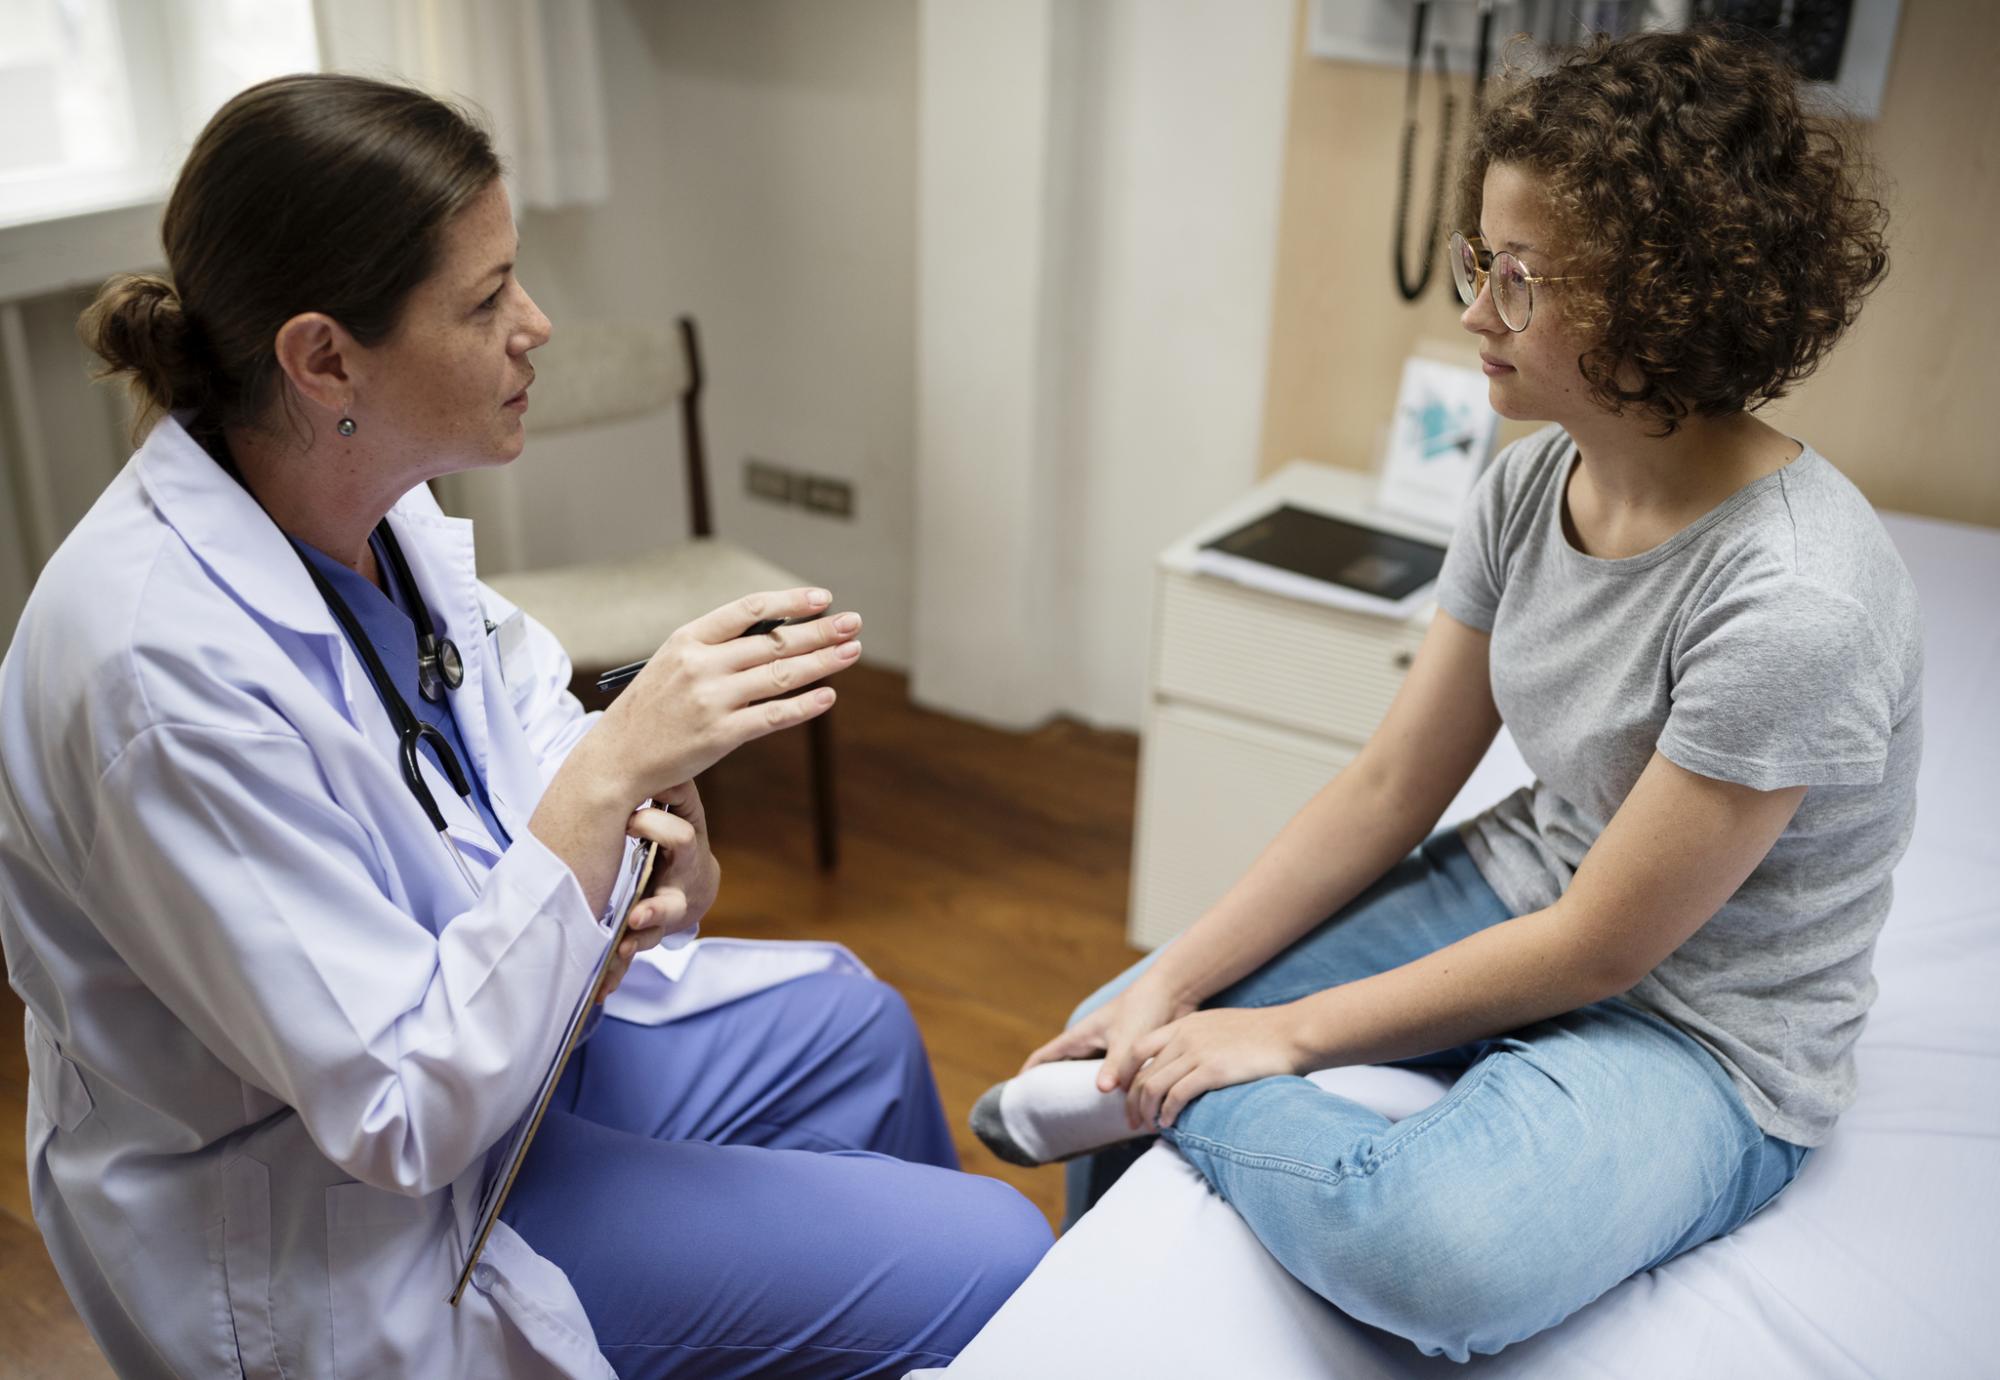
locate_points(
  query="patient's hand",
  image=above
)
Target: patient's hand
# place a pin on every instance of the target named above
(1115, 1028)
(1209, 1050)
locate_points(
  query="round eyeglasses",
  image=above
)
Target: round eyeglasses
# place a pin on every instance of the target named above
(1473, 267)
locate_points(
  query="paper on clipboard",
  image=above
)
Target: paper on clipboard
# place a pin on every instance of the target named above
(497, 1189)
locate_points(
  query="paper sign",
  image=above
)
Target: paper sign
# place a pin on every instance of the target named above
(1441, 435)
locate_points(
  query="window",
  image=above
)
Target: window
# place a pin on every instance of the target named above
(99, 99)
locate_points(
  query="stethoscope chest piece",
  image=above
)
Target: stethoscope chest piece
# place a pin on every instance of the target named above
(439, 667)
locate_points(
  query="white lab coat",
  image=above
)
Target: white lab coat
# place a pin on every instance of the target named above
(271, 1035)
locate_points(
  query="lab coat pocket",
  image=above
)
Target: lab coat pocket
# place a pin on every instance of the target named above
(386, 1259)
(246, 1261)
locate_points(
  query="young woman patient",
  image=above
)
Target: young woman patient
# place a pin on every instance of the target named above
(1645, 972)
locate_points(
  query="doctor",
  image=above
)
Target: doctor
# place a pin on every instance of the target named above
(306, 854)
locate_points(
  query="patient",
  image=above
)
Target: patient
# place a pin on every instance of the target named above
(1647, 971)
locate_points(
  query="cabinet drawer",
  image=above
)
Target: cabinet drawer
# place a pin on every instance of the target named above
(1213, 790)
(1317, 669)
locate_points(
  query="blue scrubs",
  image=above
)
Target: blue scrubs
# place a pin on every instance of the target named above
(767, 1188)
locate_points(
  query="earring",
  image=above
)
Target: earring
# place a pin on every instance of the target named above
(345, 426)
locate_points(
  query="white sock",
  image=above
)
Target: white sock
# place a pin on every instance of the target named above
(1052, 1112)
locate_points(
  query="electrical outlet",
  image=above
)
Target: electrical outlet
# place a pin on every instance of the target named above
(831, 496)
(774, 483)
(762, 479)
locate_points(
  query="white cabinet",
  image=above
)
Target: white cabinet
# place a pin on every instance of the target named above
(1254, 702)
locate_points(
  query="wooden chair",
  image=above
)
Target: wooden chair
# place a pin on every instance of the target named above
(613, 612)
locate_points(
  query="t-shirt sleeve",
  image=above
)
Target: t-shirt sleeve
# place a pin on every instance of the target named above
(1780, 683)
(1469, 585)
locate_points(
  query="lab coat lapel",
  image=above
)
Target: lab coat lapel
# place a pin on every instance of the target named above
(236, 541)
(228, 533)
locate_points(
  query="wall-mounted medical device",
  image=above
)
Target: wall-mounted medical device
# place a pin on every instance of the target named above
(1843, 45)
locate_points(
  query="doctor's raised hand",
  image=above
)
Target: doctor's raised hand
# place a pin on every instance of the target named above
(707, 691)
(303, 864)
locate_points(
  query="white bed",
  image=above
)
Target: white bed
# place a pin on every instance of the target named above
(1883, 1259)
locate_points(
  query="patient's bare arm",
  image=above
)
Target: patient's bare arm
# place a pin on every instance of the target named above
(1349, 834)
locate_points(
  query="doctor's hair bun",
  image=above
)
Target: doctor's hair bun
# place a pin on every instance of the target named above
(318, 193)
(137, 327)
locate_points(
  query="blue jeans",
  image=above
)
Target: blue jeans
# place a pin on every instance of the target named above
(1566, 1156)
(769, 1188)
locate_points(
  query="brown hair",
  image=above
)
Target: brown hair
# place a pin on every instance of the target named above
(305, 193)
(1727, 236)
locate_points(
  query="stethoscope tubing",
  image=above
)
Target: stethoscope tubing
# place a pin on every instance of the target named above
(411, 730)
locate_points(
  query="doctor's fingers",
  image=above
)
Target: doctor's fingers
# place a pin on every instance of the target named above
(655, 825)
(738, 616)
(794, 640)
(760, 720)
(787, 674)
(653, 919)
(685, 801)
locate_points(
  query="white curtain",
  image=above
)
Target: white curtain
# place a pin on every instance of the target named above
(530, 66)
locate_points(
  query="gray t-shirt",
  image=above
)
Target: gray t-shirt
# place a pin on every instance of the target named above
(1775, 642)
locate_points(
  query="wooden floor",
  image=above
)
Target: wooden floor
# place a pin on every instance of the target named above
(983, 874)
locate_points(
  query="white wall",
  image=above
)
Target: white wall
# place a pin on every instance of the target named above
(763, 175)
(1181, 132)
(1098, 195)
(996, 530)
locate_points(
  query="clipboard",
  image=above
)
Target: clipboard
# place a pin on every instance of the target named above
(503, 1182)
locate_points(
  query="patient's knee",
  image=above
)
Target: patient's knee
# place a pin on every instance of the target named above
(1437, 1277)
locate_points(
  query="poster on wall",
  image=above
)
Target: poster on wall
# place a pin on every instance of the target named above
(1439, 439)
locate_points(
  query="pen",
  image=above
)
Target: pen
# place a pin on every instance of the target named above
(616, 679)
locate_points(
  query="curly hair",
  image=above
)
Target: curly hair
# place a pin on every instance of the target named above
(1727, 236)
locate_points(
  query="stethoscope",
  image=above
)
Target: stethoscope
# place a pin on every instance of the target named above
(439, 668)
(1412, 284)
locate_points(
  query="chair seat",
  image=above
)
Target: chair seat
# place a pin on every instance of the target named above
(614, 612)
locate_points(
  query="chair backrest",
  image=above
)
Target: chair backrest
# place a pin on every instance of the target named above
(694, 442)
(592, 372)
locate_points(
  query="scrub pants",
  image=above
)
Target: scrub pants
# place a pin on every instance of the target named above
(1567, 1155)
(769, 1188)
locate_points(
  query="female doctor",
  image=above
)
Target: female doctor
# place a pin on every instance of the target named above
(306, 855)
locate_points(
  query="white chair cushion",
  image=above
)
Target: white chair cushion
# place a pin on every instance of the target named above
(620, 611)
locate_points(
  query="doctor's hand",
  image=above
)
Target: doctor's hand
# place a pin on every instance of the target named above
(684, 882)
(706, 692)
(709, 689)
